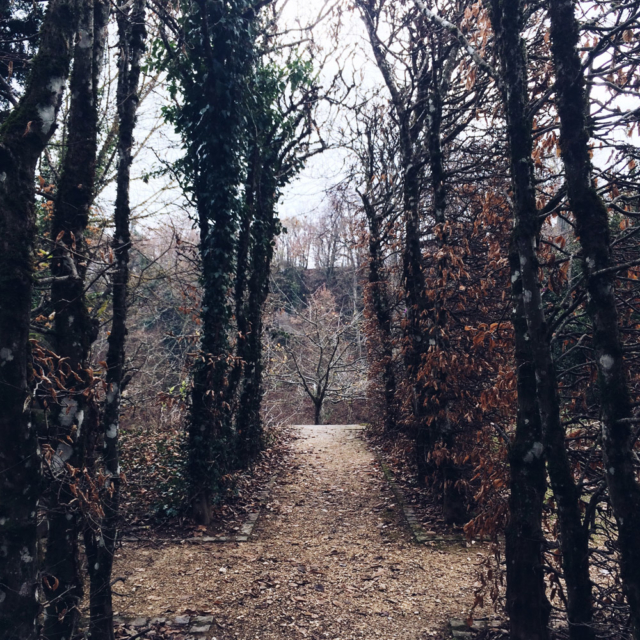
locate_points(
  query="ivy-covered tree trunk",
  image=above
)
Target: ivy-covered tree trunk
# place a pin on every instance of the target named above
(282, 97)
(74, 331)
(23, 137)
(507, 20)
(235, 136)
(211, 439)
(242, 275)
(210, 434)
(249, 421)
(220, 41)
(263, 232)
(592, 229)
(100, 540)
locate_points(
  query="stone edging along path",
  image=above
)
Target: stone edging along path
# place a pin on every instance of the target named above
(196, 626)
(246, 530)
(244, 535)
(200, 627)
(324, 478)
(419, 534)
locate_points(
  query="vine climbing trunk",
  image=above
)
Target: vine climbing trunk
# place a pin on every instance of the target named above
(221, 51)
(274, 148)
(507, 20)
(592, 229)
(242, 275)
(100, 540)
(23, 137)
(74, 330)
(264, 229)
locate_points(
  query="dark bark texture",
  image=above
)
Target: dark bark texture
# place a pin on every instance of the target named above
(592, 229)
(419, 107)
(100, 542)
(507, 19)
(261, 185)
(221, 53)
(440, 428)
(74, 331)
(23, 137)
(527, 603)
(410, 119)
(378, 292)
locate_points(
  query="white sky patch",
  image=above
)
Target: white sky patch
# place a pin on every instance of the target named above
(156, 198)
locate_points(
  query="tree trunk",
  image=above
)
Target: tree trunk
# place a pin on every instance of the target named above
(23, 137)
(210, 429)
(264, 230)
(383, 317)
(415, 342)
(527, 603)
(507, 19)
(592, 229)
(380, 302)
(439, 428)
(317, 414)
(249, 314)
(100, 543)
(413, 281)
(74, 329)
(221, 42)
(242, 275)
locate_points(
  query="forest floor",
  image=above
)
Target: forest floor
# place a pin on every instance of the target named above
(331, 557)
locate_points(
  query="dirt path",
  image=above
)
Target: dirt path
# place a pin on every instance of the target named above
(331, 558)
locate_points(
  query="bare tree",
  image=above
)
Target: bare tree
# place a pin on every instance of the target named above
(318, 353)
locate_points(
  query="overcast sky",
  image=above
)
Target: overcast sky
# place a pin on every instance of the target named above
(160, 200)
(156, 200)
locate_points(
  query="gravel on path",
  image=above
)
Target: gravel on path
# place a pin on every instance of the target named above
(331, 557)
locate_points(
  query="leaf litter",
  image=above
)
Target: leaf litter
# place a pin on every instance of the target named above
(331, 557)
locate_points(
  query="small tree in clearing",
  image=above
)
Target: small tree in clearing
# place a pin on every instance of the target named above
(321, 353)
